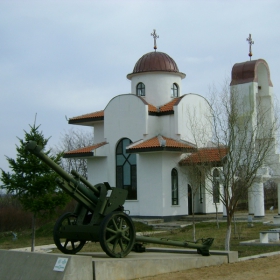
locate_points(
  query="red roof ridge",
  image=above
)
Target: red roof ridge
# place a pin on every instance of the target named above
(160, 142)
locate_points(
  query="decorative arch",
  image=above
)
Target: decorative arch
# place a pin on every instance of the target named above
(246, 72)
(126, 169)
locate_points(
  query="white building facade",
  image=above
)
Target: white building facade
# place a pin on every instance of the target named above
(141, 138)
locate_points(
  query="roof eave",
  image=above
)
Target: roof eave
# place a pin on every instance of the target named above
(131, 75)
(79, 155)
(160, 149)
(158, 114)
(85, 121)
(213, 164)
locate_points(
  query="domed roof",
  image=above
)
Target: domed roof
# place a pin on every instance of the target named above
(155, 61)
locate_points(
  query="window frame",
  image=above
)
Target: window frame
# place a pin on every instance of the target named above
(174, 187)
(216, 186)
(126, 169)
(175, 90)
(141, 89)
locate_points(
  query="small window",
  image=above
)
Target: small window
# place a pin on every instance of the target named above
(175, 90)
(174, 187)
(216, 186)
(140, 89)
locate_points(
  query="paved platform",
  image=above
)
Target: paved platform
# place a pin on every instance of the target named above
(15, 265)
(98, 266)
(153, 262)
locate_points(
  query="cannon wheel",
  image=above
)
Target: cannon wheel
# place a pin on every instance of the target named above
(65, 245)
(117, 235)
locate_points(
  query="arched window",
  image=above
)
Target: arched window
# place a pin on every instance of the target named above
(216, 186)
(126, 176)
(175, 90)
(190, 200)
(174, 187)
(140, 89)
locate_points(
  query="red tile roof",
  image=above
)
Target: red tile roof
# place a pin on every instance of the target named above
(85, 151)
(160, 143)
(168, 107)
(153, 110)
(205, 155)
(95, 116)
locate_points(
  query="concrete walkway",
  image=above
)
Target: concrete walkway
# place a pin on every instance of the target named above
(37, 249)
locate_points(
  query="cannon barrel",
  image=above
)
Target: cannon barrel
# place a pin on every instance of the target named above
(85, 182)
(78, 191)
(202, 247)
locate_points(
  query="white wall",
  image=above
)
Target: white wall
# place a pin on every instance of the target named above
(170, 161)
(157, 86)
(98, 132)
(193, 109)
(149, 185)
(163, 125)
(154, 186)
(209, 204)
(97, 170)
(125, 116)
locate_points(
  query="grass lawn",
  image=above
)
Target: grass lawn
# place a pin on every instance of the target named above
(242, 233)
(203, 230)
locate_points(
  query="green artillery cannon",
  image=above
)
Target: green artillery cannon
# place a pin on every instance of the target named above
(99, 217)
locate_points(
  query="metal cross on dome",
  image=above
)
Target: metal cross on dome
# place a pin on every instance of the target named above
(251, 42)
(155, 39)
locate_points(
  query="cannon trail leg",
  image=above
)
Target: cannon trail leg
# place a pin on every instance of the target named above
(117, 234)
(65, 245)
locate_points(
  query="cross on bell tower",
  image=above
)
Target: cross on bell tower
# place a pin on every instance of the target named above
(251, 42)
(155, 39)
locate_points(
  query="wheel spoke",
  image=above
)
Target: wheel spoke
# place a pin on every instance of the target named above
(126, 238)
(115, 245)
(117, 234)
(125, 229)
(66, 242)
(114, 223)
(111, 238)
(111, 230)
(66, 245)
(121, 244)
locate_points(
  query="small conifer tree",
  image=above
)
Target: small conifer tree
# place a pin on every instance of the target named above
(32, 182)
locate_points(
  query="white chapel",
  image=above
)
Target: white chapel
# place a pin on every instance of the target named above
(142, 140)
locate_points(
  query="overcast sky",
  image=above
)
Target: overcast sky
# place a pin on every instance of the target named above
(68, 58)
